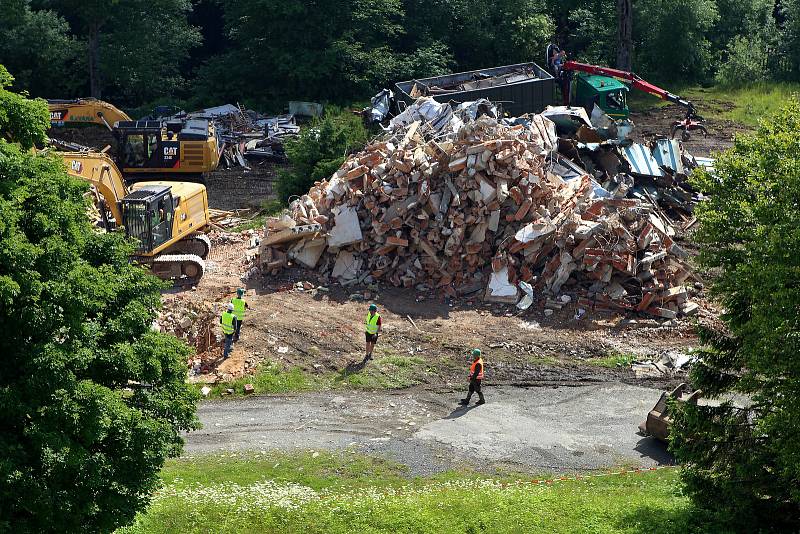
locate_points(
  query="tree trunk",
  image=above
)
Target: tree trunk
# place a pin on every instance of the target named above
(95, 87)
(624, 35)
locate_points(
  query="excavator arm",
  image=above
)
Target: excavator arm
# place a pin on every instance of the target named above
(635, 81)
(99, 170)
(85, 110)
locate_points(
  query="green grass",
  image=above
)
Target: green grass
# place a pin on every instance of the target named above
(385, 371)
(744, 105)
(543, 360)
(613, 361)
(269, 208)
(347, 492)
(270, 378)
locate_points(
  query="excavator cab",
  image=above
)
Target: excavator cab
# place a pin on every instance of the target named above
(148, 216)
(608, 93)
(153, 148)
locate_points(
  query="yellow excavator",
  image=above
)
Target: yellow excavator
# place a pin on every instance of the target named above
(84, 111)
(167, 218)
(185, 147)
(146, 148)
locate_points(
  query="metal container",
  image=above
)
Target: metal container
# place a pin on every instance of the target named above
(521, 88)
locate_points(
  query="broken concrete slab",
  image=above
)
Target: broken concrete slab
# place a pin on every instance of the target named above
(346, 229)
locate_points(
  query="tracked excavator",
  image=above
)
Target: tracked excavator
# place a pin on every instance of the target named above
(146, 149)
(167, 218)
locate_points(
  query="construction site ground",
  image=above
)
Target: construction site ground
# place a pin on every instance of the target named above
(542, 371)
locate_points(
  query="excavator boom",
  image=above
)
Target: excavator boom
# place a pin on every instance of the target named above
(86, 111)
(634, 80)
(99, 169)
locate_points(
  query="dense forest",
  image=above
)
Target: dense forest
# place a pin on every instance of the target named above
(140, 53)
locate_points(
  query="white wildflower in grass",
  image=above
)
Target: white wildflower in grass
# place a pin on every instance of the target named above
(265, 495)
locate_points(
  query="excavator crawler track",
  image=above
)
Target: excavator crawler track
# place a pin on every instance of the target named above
(197, 243)
(182, 269)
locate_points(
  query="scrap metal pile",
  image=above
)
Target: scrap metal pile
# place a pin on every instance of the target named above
(459, 201)
(247, 136)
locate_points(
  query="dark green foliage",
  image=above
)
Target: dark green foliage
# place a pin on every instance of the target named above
(263, 53)
(746, 462)
(671, 38)
(22, 121)
(80, 447)
(37, 47)
(319, 151)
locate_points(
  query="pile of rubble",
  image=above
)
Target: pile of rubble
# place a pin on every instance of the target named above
(247, 136)
(461, 201)
(191, 321)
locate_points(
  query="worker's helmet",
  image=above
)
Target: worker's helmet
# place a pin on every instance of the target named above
(240, 292)
(373, 307)
(230, 307)
(476, 353)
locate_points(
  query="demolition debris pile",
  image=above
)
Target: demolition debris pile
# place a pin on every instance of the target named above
(460, 201)
(247, 136)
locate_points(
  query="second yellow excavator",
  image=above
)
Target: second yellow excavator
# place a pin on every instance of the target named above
(167, 218)
(148, 148)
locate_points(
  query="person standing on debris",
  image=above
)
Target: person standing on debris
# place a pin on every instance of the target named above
(228, 328)
(372, 327)
(239, 307)
(475, 378)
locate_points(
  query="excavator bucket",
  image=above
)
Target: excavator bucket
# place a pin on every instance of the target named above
(658, 420)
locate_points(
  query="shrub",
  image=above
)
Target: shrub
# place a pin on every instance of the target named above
(319, 151)
(743, 459)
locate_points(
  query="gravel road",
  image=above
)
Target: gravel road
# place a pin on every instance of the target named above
(538, 429)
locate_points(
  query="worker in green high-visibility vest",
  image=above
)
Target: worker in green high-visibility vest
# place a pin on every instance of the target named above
(372, 327)
(239, 307)
(227, 328)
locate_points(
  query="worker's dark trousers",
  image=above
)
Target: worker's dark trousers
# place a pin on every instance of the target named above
(238, 324)
(475, 387)
(228, 342)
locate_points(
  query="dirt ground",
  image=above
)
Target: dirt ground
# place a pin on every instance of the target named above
(318, 328)
(656, 121)
(297, 321)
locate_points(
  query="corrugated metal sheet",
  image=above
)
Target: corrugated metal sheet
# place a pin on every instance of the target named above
(641, 161)
(667, 153)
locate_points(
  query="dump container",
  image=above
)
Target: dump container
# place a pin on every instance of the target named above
(521, 88)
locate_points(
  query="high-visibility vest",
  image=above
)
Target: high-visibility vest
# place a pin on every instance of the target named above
(371, 323)
(227, 323)
(238, 308)
(472, 369)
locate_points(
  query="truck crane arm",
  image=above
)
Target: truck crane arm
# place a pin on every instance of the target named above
(635, 81)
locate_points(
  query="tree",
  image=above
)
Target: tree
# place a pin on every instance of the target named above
(585, 29)
(92, 400)
(624, 35)
(672, 38)
(742, 458)
(332, 50)
(37, 47)
(134, 49)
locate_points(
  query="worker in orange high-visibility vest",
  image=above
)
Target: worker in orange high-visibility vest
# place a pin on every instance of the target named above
(475, 378)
